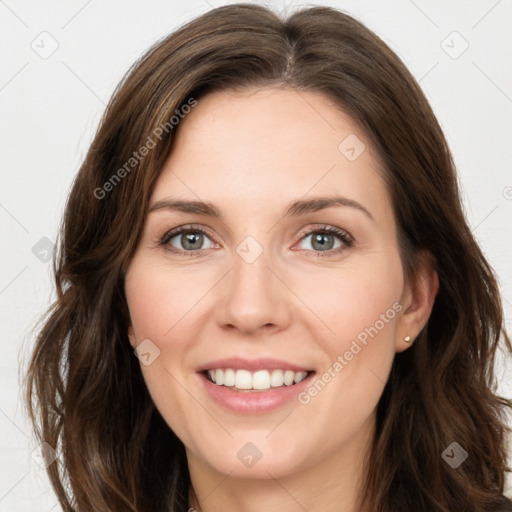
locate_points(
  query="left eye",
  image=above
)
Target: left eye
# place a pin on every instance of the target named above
(323, 241)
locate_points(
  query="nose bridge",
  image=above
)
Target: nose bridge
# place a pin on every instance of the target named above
(252, 296)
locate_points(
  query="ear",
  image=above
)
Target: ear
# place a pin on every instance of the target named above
(131, 337)
(417, 300)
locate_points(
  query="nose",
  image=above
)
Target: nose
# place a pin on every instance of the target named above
(253, 298)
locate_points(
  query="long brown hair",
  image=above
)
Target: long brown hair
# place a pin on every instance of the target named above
(84, 389)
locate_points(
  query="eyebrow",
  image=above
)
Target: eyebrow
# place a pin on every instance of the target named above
(296, 208)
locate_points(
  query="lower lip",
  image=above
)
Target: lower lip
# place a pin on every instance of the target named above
(254, 402)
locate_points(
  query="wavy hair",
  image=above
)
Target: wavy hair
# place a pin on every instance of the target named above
(83, 387)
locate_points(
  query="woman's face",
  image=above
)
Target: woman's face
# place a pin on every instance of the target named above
(296, 277)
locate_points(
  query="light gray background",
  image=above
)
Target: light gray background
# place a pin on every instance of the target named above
(50, 107)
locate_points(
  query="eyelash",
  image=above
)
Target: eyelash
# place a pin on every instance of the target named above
(345, 238)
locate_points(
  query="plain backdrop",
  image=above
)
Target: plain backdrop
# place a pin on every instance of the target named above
(60, 62)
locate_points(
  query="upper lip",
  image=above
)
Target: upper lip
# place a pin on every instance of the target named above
(263, 363)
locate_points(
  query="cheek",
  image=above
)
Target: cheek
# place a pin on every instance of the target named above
(162, 304)
(162, 301)
(359, 310)
(358, 302)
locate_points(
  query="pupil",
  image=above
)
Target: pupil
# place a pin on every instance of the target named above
(320, 238)
(189, 239)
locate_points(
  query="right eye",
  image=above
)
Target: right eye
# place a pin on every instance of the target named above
(186, 239)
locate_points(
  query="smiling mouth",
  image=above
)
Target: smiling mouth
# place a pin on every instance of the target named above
(260, 380)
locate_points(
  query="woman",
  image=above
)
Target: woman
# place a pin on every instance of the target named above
(268, 218)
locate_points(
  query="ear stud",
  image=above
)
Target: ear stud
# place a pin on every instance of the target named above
(407, 339)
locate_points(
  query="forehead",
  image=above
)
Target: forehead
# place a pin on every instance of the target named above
(270, 144)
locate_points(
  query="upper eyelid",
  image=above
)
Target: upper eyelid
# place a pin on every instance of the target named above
(171, 233)
(333, 230)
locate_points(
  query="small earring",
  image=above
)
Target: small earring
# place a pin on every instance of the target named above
(407, 339)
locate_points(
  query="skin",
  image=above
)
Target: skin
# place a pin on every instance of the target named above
(251, 153)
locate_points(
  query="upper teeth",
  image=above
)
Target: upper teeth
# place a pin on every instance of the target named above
(261, 379)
